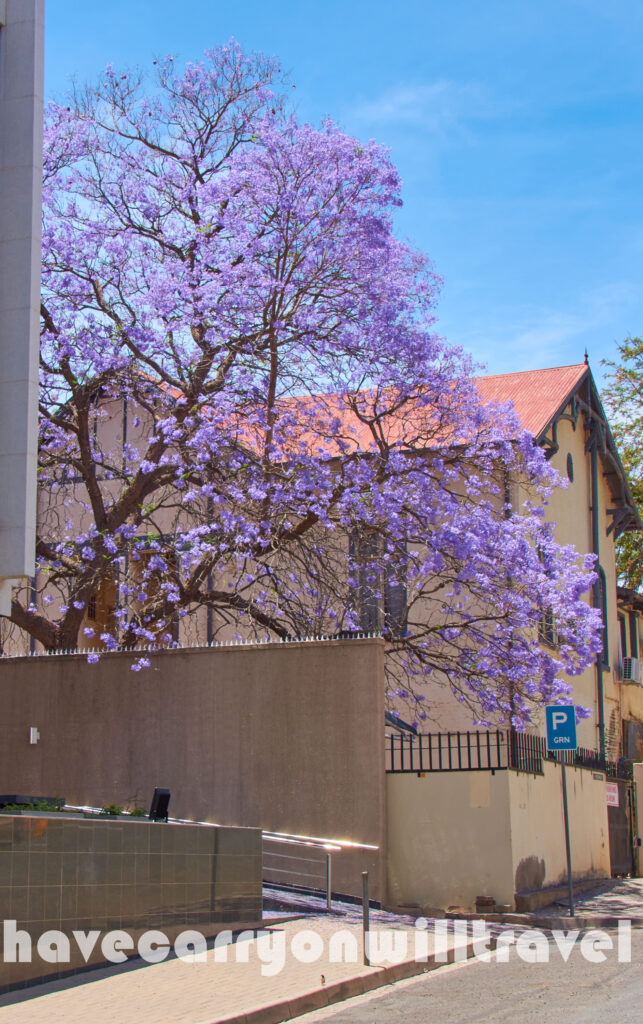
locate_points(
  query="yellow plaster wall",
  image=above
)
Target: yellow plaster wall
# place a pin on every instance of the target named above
(570, 509)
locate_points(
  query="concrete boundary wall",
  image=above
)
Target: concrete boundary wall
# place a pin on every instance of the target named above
(449, 839)
(454, 836)
(288, 738)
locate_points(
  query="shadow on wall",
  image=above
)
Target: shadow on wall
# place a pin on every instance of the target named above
(530, 874)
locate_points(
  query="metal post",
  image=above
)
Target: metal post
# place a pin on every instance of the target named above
(567, 843)
(365, 920)
(328, 881)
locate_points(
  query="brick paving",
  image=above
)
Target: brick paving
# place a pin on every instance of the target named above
(176, 992)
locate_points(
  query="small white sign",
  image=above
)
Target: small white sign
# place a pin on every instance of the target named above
(611, 792)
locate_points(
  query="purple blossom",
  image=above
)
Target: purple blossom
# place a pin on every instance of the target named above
(303, 450)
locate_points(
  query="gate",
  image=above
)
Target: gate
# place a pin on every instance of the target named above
(621, 829)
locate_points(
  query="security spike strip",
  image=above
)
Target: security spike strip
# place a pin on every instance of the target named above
(151, 648)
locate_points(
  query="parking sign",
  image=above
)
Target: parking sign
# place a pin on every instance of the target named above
(561, 735)
(561, 727)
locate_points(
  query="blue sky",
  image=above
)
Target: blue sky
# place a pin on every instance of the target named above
(516, 127)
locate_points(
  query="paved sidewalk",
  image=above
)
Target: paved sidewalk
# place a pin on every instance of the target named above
(176, 992)
(618, 898)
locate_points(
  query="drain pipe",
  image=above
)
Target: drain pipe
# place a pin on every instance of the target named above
(598, 586)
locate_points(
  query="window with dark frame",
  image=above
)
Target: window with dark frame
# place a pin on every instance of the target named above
(634, 635)
(380, 598)
(601, 596)
(547, 629)
(622, 628)
(395, 605)
(547, 633)
(363, 549)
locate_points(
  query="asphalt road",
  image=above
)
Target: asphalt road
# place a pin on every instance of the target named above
(475, 992)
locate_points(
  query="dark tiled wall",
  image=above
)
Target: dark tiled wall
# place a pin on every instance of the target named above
(70, 873)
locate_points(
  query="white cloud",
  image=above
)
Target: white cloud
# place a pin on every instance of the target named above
(439, 107)
(530, 337)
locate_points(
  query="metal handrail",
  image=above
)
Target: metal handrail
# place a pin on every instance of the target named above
(328, 846)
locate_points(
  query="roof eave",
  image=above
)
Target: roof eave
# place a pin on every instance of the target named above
(594, 405)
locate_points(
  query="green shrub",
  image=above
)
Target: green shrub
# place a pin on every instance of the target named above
(111, 809)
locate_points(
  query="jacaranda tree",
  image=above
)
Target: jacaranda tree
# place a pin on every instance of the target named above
(299, 451)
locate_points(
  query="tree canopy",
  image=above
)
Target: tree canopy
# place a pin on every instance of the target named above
(300, 451)
(623, 399)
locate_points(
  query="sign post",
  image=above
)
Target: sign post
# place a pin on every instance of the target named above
(561, 735)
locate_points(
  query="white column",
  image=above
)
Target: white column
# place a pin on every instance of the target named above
(21, 102)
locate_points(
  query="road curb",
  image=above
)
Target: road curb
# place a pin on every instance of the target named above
(533, 920)
(327, 995)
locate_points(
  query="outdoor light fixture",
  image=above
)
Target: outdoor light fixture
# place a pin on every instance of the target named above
(158, 808)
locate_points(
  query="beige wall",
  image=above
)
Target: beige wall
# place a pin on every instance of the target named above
(537, 831)
(449, 838)
(453, 836)
(632, 700)
(289, 738)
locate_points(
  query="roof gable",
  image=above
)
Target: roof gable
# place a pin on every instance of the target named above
(537, 395)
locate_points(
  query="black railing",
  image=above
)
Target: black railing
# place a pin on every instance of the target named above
(526, 752)
(585, 758)
(447, 752)
(487, 750)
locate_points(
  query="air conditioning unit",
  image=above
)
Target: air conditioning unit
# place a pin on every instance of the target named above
(632, 670)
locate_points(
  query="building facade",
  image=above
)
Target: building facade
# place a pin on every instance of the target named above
(561, 408)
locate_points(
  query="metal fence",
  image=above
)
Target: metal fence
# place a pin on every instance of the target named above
(447, 752)
(486, 750)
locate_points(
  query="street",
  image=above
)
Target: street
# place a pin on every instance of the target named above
(475, 992)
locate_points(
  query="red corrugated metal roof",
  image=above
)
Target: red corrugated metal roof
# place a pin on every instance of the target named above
(537, 395)
(328, 427)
